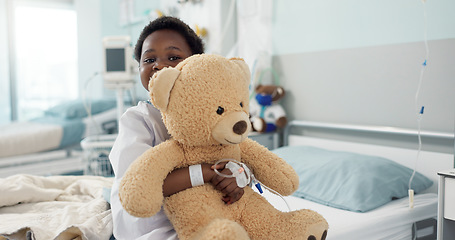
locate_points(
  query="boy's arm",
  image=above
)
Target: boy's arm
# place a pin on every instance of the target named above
(179, 180)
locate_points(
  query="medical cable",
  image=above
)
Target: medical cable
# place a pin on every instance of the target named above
(244, 176)
(421, 110)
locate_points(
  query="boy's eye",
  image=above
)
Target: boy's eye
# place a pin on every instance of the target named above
(241, 104)
(174, 58)
(220, 110)
(149, 60)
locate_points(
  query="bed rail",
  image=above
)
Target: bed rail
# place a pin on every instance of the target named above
(362, 128)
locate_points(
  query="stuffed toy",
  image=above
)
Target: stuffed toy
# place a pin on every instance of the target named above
(266, 113)
(204, 105)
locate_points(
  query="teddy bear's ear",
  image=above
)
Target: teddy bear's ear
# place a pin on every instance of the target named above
(243, 66)
(160, 87)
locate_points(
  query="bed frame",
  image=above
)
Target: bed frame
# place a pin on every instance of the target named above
(67, 161)
(365, 129)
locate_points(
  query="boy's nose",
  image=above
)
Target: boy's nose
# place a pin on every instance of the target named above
(159, 65)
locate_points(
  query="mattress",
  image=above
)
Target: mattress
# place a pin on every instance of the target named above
(51, 133)
(391, 221)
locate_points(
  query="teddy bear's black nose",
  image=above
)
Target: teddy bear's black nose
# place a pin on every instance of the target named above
(240, 127)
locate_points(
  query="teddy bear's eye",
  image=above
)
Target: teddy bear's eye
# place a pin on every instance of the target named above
(220, 110)
(241, 104)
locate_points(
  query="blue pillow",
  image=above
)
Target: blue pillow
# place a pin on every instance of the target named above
(75, 109)
(349, 181)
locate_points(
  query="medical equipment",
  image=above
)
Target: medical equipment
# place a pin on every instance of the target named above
(244, 176)
(196, 177)
(117, 56)
(416, 99)
(118, 70)
(96, 155)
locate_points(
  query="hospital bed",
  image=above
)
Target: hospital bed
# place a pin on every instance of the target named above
(50, 145)
(362, 189)
(348, 219)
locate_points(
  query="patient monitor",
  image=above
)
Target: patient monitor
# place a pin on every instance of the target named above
(118, 60)
(118, 67)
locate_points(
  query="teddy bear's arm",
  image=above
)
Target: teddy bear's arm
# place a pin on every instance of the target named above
(141, 188)
(268, 168)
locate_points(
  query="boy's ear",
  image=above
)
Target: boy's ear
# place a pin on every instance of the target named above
(160, 86)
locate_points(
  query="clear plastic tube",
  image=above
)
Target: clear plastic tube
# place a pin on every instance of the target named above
(250, 176)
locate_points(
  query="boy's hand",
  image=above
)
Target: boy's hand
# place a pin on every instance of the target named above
(228, 186)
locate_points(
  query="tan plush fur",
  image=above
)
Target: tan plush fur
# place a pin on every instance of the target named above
(189, 97)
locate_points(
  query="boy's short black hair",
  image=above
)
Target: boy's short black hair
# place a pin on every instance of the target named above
(172, 23)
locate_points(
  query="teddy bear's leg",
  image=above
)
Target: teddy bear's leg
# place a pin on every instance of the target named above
(263, 221)
(222, 229)
(199, 213)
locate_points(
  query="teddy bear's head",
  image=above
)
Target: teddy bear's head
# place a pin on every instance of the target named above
(204, 100)
(274, 92)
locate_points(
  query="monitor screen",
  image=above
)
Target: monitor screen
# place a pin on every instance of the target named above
(115, 60)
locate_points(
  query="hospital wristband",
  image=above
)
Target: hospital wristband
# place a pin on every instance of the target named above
(196, 177)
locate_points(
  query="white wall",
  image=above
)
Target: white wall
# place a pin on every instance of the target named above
(308, 26)
(359, 62)
(89, 47)
(4, 67)
(206, 14)
(214, 17)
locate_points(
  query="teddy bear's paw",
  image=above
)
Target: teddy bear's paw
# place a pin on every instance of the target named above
(316, 225)
(222, 229)
(296, 225)
(324, 235)
(258, 124)
(317, 232)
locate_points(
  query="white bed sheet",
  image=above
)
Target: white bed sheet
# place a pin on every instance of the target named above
(56, 207)
(391, 221)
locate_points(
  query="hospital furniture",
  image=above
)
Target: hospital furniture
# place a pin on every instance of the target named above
(50, 145)
(446, 205)
(96, 150)
(270, 140)
(378, 211)
(361, 188)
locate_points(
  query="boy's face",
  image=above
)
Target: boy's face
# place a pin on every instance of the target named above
(162, 48)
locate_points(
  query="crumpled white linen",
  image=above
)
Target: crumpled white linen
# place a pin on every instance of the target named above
(54, 207)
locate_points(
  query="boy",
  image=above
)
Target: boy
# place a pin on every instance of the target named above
(164, 42)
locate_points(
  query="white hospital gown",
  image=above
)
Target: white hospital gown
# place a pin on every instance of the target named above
(140, 128)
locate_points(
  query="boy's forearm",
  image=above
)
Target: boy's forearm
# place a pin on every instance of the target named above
(179, 179)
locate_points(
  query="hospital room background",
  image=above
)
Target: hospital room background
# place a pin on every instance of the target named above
(370, 63)
(386, 66)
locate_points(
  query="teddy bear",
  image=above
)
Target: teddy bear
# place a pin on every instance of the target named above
(204, 105)
(266, 114)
